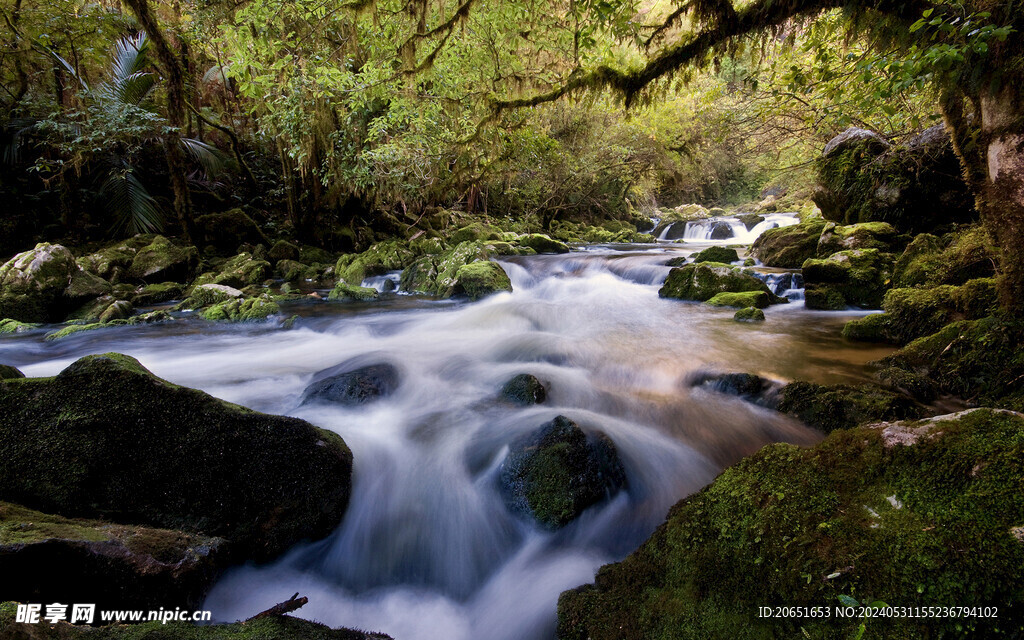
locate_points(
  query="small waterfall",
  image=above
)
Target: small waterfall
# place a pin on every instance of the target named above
(383, 283)
(786, 284)
(729, 229)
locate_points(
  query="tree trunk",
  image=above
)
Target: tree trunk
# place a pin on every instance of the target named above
(176, 113)
(1001, 194)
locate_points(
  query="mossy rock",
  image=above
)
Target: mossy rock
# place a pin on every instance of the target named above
(163, 261)
(749, 220)
(542, 243)
(226, 231)
(955, 258)
(481, 278)
(704, 281)
(437, 274)
(865, 235)
(870, 328)
(978, 360)
(8, 325)
(283, 250)
(254, 309)
(857, 278)
(788, 247)
(749, 314)
(157, 293)
(239, 272)
(60, 559)
(910, 513)
(45, 284)
(205, 295)
(685, 213)
(292, 271)
(840, 406)
(741, 300)
(524, 389)
(474, 233)
(107, 439)
(344, 291)
(7, 372)
(113, 262)
(716, 254)
(73, 329)
(375, 261)
(556, 472)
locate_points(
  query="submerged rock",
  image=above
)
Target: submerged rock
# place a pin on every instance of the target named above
(45, 284)
(344, 385)
(59, 559)
(524, 389)
(704, 281)
(909, 513)
(106, 438)
(557, 471)
(748, 386)
(749, 314)
(788, 247)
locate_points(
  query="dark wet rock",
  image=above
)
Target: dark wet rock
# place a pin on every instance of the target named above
(7, 372)
(157, 293)
(841, 406)
(788, 247)
(45, 284)
(720, 231)
(761, 391)
(107, 439)
(59, 559)
(750, 220)
(716, 254)
(906, 512)
(557, 471)
(524, 389)
(350, 386)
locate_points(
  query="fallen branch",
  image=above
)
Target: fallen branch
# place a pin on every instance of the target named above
(289, 605)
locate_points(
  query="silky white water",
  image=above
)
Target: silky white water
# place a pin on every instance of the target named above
(427, 548)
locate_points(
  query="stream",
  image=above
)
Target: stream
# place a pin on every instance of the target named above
(428, 549)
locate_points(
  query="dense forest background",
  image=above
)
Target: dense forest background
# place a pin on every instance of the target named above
(339, 123)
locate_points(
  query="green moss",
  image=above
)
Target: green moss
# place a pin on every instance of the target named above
(911, 525)
(956, 258)
(865, 235)
(475, 232)
(72, 329)
(716, 254)
(788, 247)
(156, 293)
(704, 281)
(482, 278)
(871, 328)
(542, 243)
(162, 261)
(831, 407)
(749, 314)
(857, 277)
(241, 310)
(8, 325)
(7, 372)
(344, 291)
(744, 299)
(375, 261)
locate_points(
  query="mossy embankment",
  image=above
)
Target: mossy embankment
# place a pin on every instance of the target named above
(916, 513)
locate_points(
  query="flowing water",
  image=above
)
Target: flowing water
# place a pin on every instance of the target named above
(427, 548)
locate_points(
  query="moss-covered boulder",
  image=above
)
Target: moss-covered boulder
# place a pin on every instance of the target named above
(283, 250)
(344, 291)
(239, 272)
(704, 281)
(749, 220)
(978, 360)
(524, 389)
(351, 384)
(242, 309)
(856, 278)
(741, 299)
(292, 271)
(955, 258)
(557, 471)
(482, 278)
(542, 243)
(59, 559)
(7, 372)
(915, 186)
(716, 254)
(163, 261)
(157, 293)
(206, 295)
(226, 231)
(915, 313)
(107, 439)
(749, 314)
(8, 325)
(377, 260)
(265, 628)
(475, 232)
(911, 514)
(437, 274)
(788, 247)
(113, 261)
(841, 406)
(45, 284)
(864, 235)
